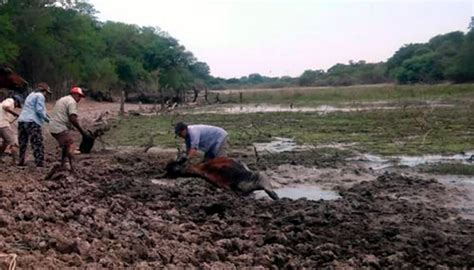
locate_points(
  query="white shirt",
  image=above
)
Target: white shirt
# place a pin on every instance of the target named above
(5, 117)
(63, 108)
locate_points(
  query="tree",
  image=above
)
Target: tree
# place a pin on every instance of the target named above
(8, 49)
(310, 77)
(463, 69)
(255, 78)
(422, 68)
(404, 53)
(200, 70)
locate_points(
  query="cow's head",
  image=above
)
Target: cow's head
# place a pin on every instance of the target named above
(10, 80)
(175, 168)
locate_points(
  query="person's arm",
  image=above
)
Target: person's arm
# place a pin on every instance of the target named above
(192, 152)
(73, 118)
(75, 122)
(193, 143)
(40, 108)
(10, 110)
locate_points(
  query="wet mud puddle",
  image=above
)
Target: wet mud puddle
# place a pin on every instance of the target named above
(462, 196)
(268, 108)
(378, 162)
(279, 145)
(464, 201)
(309, 192)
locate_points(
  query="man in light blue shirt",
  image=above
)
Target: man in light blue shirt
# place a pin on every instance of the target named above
(209, 139)
(30, 121)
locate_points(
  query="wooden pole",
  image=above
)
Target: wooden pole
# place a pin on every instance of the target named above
(122, 104)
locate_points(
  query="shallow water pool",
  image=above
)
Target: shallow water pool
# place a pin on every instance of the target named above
(314, 193)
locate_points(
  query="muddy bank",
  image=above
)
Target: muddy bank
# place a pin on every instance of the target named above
(112, 215)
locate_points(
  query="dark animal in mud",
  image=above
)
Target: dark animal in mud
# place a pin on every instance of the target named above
(100, 126)
(222, 172)
(10, 80)
(87, 142)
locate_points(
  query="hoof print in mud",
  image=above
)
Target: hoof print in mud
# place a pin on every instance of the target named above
(215, 208)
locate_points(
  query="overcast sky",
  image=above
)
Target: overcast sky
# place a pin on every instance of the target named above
(286, 37)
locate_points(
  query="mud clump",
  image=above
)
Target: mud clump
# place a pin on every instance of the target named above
(112, 216)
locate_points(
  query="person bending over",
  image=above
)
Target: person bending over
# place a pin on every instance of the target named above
(209, 139)
(63, 119)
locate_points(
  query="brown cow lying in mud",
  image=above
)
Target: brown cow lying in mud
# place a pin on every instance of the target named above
(222, 172)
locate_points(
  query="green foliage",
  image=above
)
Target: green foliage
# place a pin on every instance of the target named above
(200, 70)
(444, 57)
(102, 74)
(356, 73)
(176, 78)
(62, 43)
(254, 80)
(8, 49)
(463, 67)
(338, 75)
(402, 54)
(341, 74)
(423, 68)
(310, 77)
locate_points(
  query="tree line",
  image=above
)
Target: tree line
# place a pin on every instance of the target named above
(64, 44)
(444, 58)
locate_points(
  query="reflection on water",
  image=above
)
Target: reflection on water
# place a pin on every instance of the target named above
(428, 159)
(377, 162)
(322, 109)
(312, 192)
(280, 108)
(279, 145)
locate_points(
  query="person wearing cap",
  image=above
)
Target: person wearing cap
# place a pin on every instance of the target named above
(63, 119)
(8, 116)
(209, 139)
(31, 119)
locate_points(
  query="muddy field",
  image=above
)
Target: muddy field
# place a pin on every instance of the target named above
(117, 212)
(113, 214)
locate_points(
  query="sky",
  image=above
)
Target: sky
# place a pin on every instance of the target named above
(286, 37)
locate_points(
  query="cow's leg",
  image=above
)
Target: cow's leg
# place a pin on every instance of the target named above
(272, 194)
(265, 184)
(244, 165)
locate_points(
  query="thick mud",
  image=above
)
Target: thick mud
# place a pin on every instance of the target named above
(112, 215)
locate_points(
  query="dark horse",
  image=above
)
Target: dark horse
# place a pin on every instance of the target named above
(12, 81)
(222, 172)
